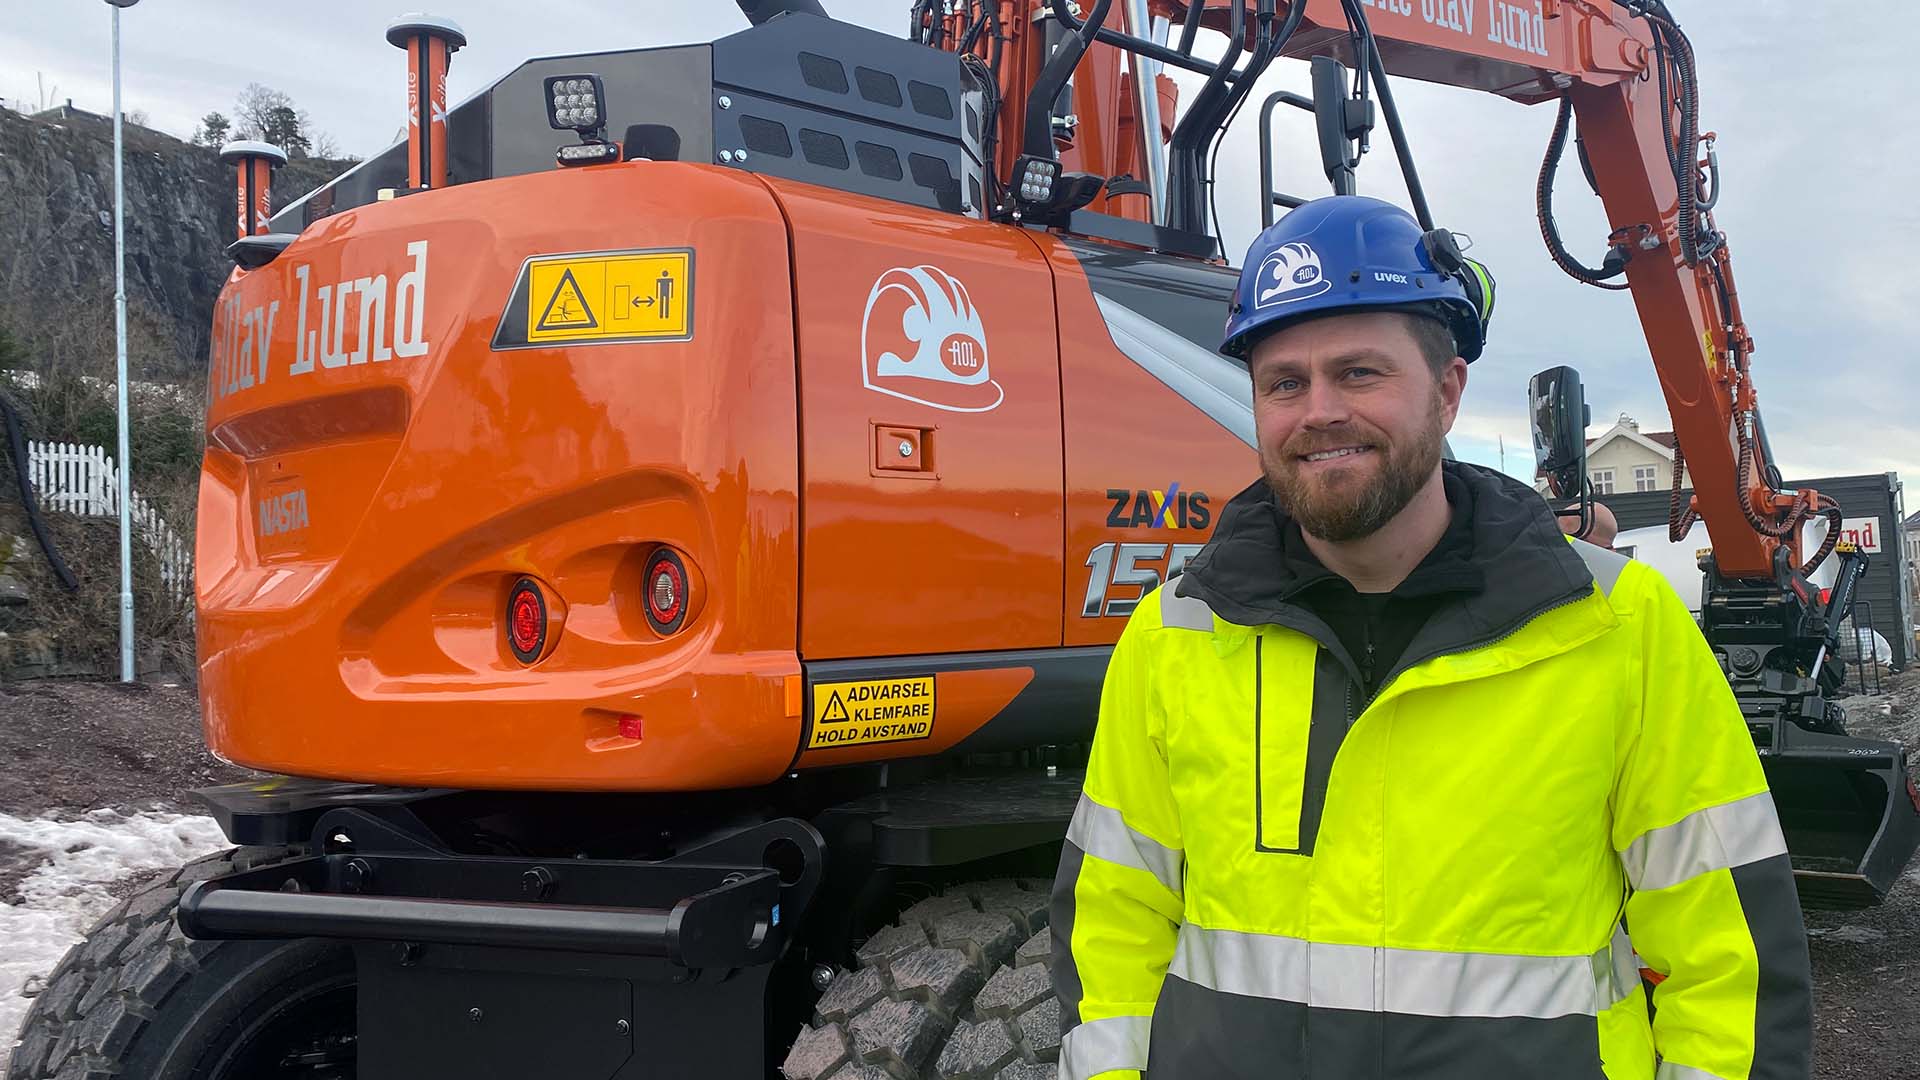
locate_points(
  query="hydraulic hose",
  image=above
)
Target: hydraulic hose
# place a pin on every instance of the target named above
(1679, 520)
(1543, 204)
(1831, 511)
(17, 452)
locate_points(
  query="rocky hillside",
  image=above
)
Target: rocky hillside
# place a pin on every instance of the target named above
(56, 232)
(57, 334)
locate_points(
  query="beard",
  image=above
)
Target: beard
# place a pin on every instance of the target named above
(1345, 503)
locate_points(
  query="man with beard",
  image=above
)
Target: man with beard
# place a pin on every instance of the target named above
(1384, 780)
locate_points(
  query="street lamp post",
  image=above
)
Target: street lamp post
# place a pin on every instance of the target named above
(120, 355)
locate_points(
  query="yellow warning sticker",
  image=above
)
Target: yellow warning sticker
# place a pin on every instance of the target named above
(872, 711)
(610, 296)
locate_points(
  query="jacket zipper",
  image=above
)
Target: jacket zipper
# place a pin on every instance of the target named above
(1366, 668)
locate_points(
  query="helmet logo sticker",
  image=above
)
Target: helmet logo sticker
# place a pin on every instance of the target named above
(922, 340)
(1289, 275)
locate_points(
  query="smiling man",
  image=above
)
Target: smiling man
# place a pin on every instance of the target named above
(1384, 780)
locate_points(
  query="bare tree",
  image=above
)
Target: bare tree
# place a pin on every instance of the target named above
(268, 115)
(253, 110)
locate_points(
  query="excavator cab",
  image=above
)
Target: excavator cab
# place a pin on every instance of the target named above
(1848, 806)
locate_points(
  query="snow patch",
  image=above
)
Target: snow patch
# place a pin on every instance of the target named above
(75, 862)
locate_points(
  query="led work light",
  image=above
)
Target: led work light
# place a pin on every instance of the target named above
(1042, 194)
(579, 103)
(1036, 178)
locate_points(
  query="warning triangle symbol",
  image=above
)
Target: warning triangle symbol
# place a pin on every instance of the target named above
(836, 711)
(567, 308)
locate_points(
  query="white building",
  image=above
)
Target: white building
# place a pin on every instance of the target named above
(1624, 458)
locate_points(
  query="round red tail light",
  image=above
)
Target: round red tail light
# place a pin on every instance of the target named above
(666, 592)
(526, 621)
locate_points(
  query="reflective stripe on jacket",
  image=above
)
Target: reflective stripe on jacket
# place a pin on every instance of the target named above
(1270, 877)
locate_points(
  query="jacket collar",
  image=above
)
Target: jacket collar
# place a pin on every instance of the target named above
(1449, 567)
(1243, 573)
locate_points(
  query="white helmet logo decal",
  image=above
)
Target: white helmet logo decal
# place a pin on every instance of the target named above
(922, 340)
(1290, 274)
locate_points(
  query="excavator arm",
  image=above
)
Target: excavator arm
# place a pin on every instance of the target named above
(1622, 70)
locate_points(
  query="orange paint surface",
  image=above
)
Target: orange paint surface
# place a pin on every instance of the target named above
(377, 477)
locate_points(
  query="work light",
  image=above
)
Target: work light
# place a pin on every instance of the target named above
(577, 103)
(1036, 176)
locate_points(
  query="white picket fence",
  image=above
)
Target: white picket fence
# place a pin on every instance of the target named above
(73, 478)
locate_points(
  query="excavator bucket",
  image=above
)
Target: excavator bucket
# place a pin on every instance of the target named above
(1850, 811)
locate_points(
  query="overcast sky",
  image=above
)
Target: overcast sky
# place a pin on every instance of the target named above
(1818, 151)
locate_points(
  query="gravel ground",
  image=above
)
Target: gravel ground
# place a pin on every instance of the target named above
(85, 745)
(1866, 964)
(68, 748)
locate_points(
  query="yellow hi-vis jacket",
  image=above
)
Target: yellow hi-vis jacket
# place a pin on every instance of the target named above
(1268, 876)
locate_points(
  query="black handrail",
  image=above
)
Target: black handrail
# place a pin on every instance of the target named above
(1265, 49)
(1037, 140)
(1225, 89)
(1191, 25)
(1186, 167)
(1269, 197)
(1401, 151)
(1152, 50)
(245, 914)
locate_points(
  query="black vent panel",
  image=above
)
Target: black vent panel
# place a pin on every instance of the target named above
(823, 73)
(878, 161)
(931, 100)
(764, 136)
(936, 176)
(878, 86)
(822, 148)
(828, 103)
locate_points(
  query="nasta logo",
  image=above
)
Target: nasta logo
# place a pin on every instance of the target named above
(922, 340)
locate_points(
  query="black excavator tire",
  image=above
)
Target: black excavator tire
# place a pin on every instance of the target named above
(138, 999)
(956, 989)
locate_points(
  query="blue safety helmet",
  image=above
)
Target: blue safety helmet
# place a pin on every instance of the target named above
(1348, 253)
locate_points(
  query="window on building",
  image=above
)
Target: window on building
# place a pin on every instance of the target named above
(1644, 477)
(1602, 481)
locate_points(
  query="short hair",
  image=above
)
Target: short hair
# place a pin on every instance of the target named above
(1435, 342)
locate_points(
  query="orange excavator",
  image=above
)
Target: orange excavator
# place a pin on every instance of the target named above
(665, 524)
